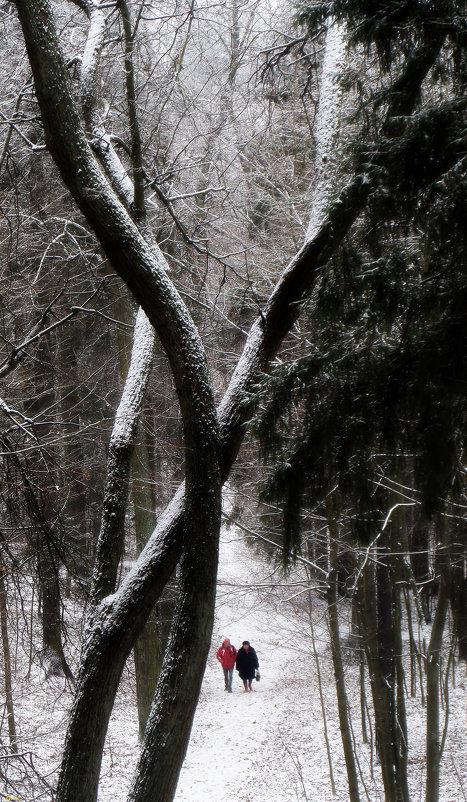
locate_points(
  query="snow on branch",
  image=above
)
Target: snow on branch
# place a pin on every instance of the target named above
(121, 446)
(328, 123)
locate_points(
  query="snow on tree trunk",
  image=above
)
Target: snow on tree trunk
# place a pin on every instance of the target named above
(122, 442)
(327, 127)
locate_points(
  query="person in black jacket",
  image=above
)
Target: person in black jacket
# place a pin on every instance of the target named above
(247, 665)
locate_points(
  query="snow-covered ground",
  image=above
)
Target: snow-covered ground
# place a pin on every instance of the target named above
(264, 746)
(270, 744)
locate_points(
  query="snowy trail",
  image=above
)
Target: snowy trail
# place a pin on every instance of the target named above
(269, 745)
(247, 742)
(265, 746)
(254, 744)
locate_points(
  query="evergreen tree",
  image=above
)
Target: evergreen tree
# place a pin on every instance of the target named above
(379, 387)
(385, 373)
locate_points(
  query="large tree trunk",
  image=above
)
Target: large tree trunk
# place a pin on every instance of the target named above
(144, 270)
(169, 724)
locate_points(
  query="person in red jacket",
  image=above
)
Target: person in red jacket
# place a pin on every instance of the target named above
(226, 655)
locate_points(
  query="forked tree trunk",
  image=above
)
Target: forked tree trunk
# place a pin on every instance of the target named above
(169, 724)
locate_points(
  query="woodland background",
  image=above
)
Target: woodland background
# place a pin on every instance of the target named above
(204, 149)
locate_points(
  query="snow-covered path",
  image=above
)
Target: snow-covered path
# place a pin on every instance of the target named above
(265, 746)
(247, 743)
(262, 745)
(269, 745)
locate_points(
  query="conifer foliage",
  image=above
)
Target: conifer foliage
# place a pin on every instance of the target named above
(384, 376)
(366, 427)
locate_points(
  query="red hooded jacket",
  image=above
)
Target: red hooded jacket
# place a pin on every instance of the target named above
(226, 655)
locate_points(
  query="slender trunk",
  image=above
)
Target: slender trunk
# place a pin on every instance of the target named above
(149, 647)
(338, 665)
(380, 692)
(320, 684)
(73, 457)
(399, 573)
(7, 661)
(433, 670)
(120, 618)
(53, 657)
(121, 448)
(400, 717)
(40, 505)
(363, 702)
(419, 558)
(414, 652)
(433, 674)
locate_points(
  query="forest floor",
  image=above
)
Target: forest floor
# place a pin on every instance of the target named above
(264, 746)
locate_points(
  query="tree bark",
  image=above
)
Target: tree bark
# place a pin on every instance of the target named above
(149, 647)
(122, 442)
(433, 669)
(381, 693)
(10, 712)
(338, 664)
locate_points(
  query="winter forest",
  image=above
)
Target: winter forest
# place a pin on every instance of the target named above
(233, 302)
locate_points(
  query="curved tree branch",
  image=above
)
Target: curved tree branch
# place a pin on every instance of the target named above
(110, 542)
